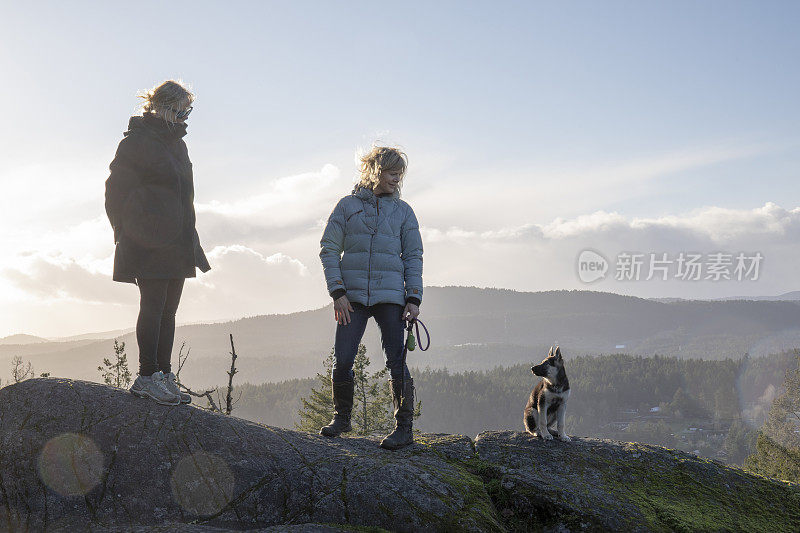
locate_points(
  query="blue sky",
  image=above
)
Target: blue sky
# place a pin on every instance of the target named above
(513, 114)
(490, 86)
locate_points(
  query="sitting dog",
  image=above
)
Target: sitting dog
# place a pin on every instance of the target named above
(548, 401)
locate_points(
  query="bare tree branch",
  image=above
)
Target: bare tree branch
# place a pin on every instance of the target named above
(209, 394)
(206, 394)
(231, 372)
(20, 371)
(182, 358)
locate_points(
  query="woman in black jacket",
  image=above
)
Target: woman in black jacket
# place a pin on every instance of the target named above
(150, 204)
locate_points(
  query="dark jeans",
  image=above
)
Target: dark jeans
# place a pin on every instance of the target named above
(390, 321)
(155, 329)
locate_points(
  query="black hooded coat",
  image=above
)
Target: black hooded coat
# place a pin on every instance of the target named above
(150, 204)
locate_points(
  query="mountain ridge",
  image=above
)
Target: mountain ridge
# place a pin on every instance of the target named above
(22, 338)
(471, 329)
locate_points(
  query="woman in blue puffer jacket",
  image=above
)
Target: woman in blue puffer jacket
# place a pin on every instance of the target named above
(379, 276)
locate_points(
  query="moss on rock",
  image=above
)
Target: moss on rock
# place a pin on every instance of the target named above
(591, 484)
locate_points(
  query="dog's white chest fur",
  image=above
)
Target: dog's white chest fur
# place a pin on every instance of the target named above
(550, 395)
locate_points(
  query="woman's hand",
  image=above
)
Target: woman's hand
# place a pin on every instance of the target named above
(411, 312)
(342, 309)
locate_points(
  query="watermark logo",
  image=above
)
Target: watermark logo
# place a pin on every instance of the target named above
(591, 266)
(683, 266)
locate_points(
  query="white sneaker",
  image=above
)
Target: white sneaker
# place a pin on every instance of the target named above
(171, 382)
(155, 388)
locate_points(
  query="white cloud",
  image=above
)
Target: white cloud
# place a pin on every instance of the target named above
(245, 282)
(220, 253)
(543, 256)
(724, 225)
(710, 224)
(544, 190)
(51, 277)
(285, 201)
(242, 282)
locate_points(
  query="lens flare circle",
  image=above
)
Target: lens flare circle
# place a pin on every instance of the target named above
(202, 483)
(70, 464)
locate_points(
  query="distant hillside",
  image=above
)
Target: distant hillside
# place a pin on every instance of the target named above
(96, 335)
(21, 339)
(793, 296)
(471, 328)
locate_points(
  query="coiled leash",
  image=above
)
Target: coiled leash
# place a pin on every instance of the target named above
(410, 345)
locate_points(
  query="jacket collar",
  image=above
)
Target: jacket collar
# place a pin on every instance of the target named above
(157, 125)
(367, 194)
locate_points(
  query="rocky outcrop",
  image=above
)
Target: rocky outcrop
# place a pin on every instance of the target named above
(79, 453)
(603, 485)
(76, 455)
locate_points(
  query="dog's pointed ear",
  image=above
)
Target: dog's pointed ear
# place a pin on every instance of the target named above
(550, 353)
(558, 352)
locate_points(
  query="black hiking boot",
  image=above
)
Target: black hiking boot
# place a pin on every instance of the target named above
(403, 414)
(342, 407)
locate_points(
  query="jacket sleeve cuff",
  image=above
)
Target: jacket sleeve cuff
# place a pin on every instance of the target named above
(412, 300)
(338, 293)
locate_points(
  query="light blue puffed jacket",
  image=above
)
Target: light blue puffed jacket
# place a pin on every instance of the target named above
(382, 260)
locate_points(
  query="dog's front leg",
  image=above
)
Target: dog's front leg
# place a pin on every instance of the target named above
(542, 422)
(561, 414)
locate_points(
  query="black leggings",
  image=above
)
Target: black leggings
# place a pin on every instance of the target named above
(155, 329)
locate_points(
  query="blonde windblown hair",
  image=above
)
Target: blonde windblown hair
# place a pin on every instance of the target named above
(167, 99)
(378, 159)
